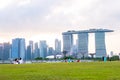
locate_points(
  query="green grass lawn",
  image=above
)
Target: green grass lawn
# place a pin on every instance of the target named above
(61, 71)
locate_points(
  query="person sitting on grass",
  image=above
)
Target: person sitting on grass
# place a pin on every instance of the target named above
(15, 61)
(20, 61)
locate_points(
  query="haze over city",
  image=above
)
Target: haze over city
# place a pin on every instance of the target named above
(47, 19)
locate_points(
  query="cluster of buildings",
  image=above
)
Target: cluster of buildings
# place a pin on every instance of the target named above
(18, 49)
(82, 42)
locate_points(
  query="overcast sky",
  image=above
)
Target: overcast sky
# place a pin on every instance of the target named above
(49, 18)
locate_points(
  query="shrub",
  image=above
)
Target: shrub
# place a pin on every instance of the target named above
(114, 58)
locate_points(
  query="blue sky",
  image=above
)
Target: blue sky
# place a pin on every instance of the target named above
(47, 19)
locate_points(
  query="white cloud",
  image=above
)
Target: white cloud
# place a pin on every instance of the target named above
(64, 14)
(4, 3)
(8, 3)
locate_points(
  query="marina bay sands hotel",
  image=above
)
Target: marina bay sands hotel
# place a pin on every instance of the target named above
(100, 47)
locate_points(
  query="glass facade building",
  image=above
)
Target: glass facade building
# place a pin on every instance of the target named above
(57, 46)
(36, 51)
(15, 52)
(67, 42)
(28, 53)
(31, 48)
(43, 49)
(100, 44)
(83, 44)
(18, 48)
(1, 52)
(6, 51)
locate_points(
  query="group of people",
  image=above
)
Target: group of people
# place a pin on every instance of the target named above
(18, 61)
(69, 60)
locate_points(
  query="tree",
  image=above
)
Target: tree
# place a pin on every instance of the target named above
(64, 53)
(114, 58)
(92, 55)
(83, 54)
(38, 58)
(68, 57)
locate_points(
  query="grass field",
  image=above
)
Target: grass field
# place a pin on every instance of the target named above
(61, 71)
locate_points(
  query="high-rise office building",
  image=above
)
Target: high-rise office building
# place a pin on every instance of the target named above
(43, 49)
(22, 48)
(31, 46)
(6, 51)
(36, 51)
(28, 53)
(57, 46)
(1, 51)
(50, 51)
(15, 52)
(18, 48)
(67, 42)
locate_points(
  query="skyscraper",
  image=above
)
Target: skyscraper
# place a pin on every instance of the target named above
(57, 46)
(36, 51)
(6, 51)
(28, 53)
(83, 44)
(67, 42)
(22, 48)
(31, 47)
(43, 49)
(83, 41)
(100, 44)
(1, 51)
(50, 51)
(18, 48)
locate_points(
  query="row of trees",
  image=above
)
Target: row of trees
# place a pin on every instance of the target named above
(113, 58)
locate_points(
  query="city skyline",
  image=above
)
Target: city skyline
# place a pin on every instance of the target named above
(46, 19)
(42, 49)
